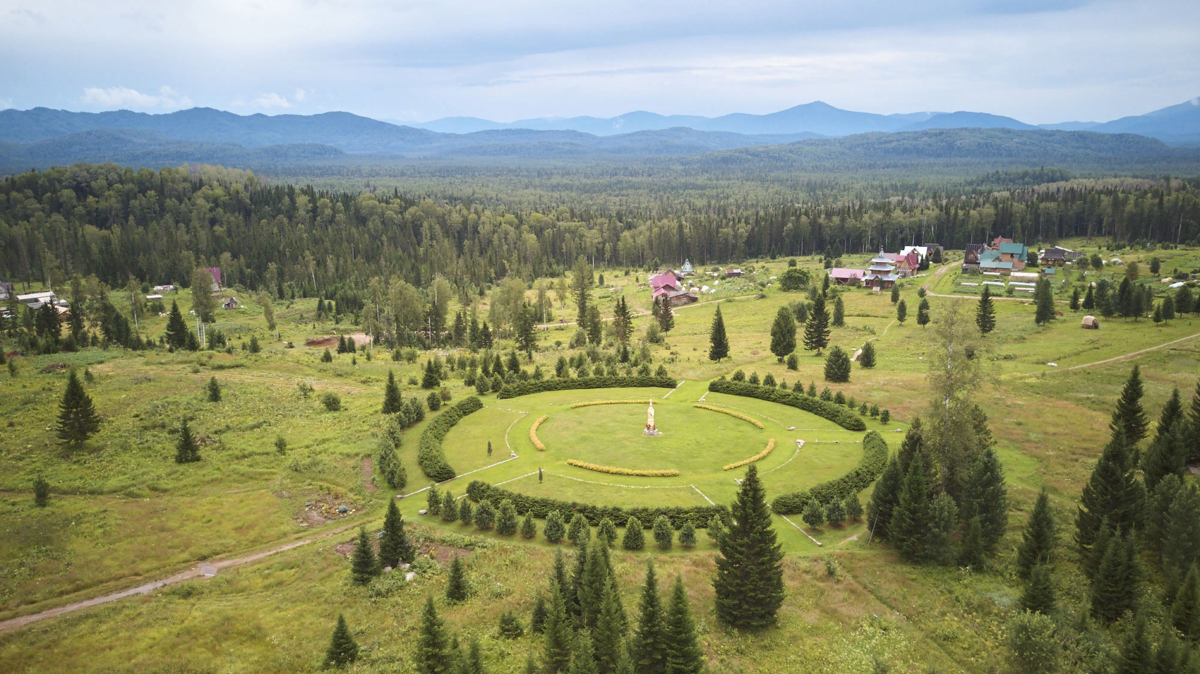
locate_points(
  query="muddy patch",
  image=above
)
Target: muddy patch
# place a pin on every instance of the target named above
(367, 470)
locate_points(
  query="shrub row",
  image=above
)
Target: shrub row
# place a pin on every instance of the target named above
(644, 401)
(429, 452)
(757, 457)
(533, 433)
(736, 415)
(698, 516)
(874, 460)
(835, 413)
(622, 471)
(523, 388)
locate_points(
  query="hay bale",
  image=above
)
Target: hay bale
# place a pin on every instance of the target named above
(1090, 323)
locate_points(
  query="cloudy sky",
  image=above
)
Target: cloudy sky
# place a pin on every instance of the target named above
(1037, 60)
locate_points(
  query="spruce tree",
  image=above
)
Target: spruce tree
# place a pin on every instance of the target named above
(649, 642)
(622, 321)
(839, 312)
(901, 312)
(583, 659)
(1038, 540)
(609, 635)
(1032, 644)
(177, 331)
(1181, 531)
(1039, 595)
(1185, 607)
(41, 492)
(472, 663)
(687, 535)
(816, 329)
(884, 498)
(342, 649)
(1129, 414)
(749, 581)
(987, 498)
(1112, 492)
(433, 644)
(985, 313)
(972, 553)
(1118, 577)
(485, 515)
(433, 502)
(449, 507)
(895, 294)
(835, 513)
(1194, 423)
(528, 528)
(866, 359)
(837, 366)
(1074, 299)
(718, 342)
(77, 418)
(1137, 656)
(664, 534)
(578, 532)
(607, 532)
(506, 521)
(185, 447)
(943, 517)
(853, 507)
(537, 621)
(556, 649)
(814, 514)
(684, 655)
(783, 334)
(392, 402)
(457, 589)
(666, 317)
(912, 519)
(635, 538)
(466, 513)
(554, 530)
(1044, 301)
(1157, 506)
(394, 547)
(214, 391)
(589, 592)
(363, 564)
(1089, 299)
(923, 313)
(1167, 455)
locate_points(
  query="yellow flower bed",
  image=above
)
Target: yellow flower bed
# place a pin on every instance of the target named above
(621, 471)
(736, 415)
(757, 457)
(610, 402)
(533, 433)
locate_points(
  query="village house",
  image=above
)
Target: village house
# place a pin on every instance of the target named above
(846, 277)
(667, 285)
(989, 261)
(971, 256)
(6, 291)
(163, 288)
(687, 269)
(230, 303)
(1016, 253)
(216, 274)
(730, 273)
(1052, 257)
(881, 274)
(906, 263)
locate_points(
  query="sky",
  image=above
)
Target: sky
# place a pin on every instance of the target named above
(1040, 61)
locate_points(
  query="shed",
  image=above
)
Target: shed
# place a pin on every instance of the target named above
(1090, 323)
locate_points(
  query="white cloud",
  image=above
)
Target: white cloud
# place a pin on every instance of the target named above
(5, 103)
(300, 95)
(124, 97)
(271, 100)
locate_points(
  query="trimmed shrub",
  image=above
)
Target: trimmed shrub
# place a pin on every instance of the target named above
(735, 415)
(542, 507)
(757, 457)
(634, 539)
(874, 460)
(835, 413)
(589, 403)
(523, 388)
(429, 451)
(664, 533)
(533, 433)
(622, 471)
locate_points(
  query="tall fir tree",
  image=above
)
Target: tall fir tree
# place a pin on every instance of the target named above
(1044, 303)
(1158, 504)
(923, 313)
(666, 317)
(1137, 655)
(394, 547)
(839, 312)
(1129, 414)
(1194, 423)
(1039, 595)
(718, 342)
(912, 519)
(609, 634)
(1115, 587)
(649, 642)
(1167, 455)
(816, 328)
(557, 635)
(783, 334)
(866, 359)
(749, 581)
(987, 498)
(186, 450)
(392, 402)
(364, 566)
(433, 643)
(1112, 493)
(884, 498)
(684, 655)
(1181, 531)
(1039, 538)
(985, 313)
(837, 366)
(342, 649)
(77, 418)
(622, 321)
(1172, 413)
(177, 331)
(901, 312)
(1089, 299)
(583, 658)
(457, 589)
(1185, 607)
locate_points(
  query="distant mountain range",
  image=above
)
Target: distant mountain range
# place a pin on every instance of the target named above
(812, 132)
(1175, 125)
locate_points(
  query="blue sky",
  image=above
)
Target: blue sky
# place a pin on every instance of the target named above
(1048, 61)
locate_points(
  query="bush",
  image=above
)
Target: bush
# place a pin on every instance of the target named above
(554, 529)
(1032, 644)
(435, 401)
(814, 514)
(874, 460)
(634, 539)
(664, 534)
(837, 366)
(835, 513)
(885, 416)
(510, 626)
(613, 470)
(793, 362)
(687, 536)
(757, 457)
(41, 492)
(835, 413)
(331, 401)
(542, 507)
(429, 451)
(517, 389)
(736, 415)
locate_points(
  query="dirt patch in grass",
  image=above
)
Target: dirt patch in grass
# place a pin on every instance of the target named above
(324, 508)
(444, 554)
(367, 470)
(53, 367)
(359, 338)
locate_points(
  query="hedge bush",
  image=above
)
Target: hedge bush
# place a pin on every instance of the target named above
(533, 433)
(874, 460)
(429, 452)
(524, 388)
(622, 471)
(541, 507)
(757, 457)
(735, 415)
(835, 413)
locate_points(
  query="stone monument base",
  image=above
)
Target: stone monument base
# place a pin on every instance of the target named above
(651, 431)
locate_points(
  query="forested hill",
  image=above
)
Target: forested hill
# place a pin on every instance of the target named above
(115, 222)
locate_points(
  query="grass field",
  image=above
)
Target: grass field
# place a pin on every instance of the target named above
(122, 512)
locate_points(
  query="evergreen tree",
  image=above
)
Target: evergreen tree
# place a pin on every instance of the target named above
(1185, 609)
(923, 313)
(683, 655)
(884, 498)
(526, 323)
(718, 343)
(635, 538)
(554, 529)
(528, 528)
(1137, 656)
(1039, 595)
(392, 402)
(816, 329)
(866, 359)
(395, 547)
(609, 634)
(325, 357)
(177, 332)
(895, 294)
(185, 447)
(783, 334)
(472, 663)
(1112, 492)
(583, 659)
(985, 313)
(465, 512)
(1158, 505)
(1033, 645)
(649, 643)
(943, 515)
(485, 515)
(1075, 299)
(449, 508)
(1167, 455)
(664, 534)
(77, 418)
(837, 366)
(41, 492)
(578, 532)
(853, 507)
(607, 532)
(987, 498)
(556, 653)
(433, 502)
(1115, 586)
(972, 552)
(433, 644)
(1194, 423)
(589, 592)
(342, 649)
(839, 312)
(363, 564)
(835, 513)
(1172, 413)
(912, 520)
(687, 535)
(749, 581)
(1044, 301)
(537, 622)
(622, 321)
(666, 316)
(1038, 541)
(1181, 531)
(1089, 300)
(506, 521)
(214, 391)
(814, 514)
(457, 589)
